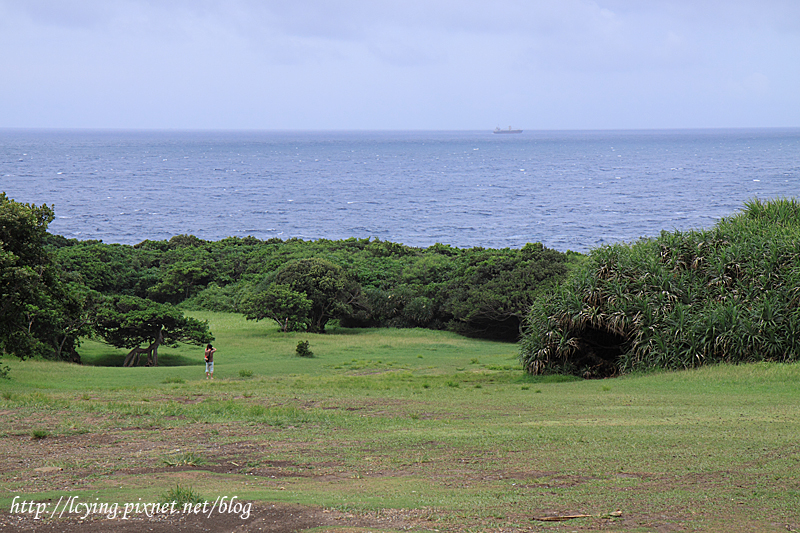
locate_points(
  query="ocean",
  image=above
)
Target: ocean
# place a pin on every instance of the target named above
(570, 190)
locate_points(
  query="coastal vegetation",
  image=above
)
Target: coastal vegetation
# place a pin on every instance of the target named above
(41, 313)
(680, 300)
(298, 285)
(302, 285)
(58, 291)
(728, 294)
(129, 321)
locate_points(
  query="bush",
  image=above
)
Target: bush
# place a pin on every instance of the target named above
(39, 434)
(303, 350)
(181, 495)
(684, 299)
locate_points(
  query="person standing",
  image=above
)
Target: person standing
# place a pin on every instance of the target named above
(210, 361)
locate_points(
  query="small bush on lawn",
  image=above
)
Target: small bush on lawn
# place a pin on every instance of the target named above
(303, 350)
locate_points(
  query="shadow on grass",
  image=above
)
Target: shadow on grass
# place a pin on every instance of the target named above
(116, 359)
(521, 378)
(339, 330)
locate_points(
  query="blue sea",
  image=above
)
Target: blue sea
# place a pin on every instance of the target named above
(568, 190)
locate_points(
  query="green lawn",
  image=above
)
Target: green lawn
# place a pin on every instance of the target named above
(443, 427)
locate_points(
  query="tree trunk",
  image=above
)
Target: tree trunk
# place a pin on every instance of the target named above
(74, 356)
(133, 356)
(152, 352)
(152, 359)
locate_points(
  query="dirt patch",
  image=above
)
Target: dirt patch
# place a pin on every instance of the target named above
(256, 459)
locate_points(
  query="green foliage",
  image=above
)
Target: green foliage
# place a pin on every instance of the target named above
(108, 268)
(129, 321)
(476, 292)
(361, 282)
(303, 349)
(291, 310)
(494, 289)
(225, 299)
(316, 281)
(5, 372)
(181, 495)
(186, 268)
(39, 434)
(685, 299)
(40, 315)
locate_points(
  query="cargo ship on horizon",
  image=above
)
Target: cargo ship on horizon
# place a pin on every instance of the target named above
(509, 130)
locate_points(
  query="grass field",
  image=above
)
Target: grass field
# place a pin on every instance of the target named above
(408, 429)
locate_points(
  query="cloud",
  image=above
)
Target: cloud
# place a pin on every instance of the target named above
(399, 64)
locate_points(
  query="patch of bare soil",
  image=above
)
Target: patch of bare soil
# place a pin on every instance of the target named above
(76, 462)
(64, 464)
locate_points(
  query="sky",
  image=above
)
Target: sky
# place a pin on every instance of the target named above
(399, 64)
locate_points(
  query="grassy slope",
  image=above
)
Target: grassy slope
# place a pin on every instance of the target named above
(419, 419)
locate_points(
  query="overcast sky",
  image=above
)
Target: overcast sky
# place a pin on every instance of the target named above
(399, 65)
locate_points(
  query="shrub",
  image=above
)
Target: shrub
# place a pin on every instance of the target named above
(492, 290)
(39, 434)
(684, 299)
(303, 350)
(181, 495)
(321, 290)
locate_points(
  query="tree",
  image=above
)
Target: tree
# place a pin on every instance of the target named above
(185, 268)
(288, 308)
(129, 322)
(494, 289)
(324, 284)
(180, 280)
(39, 315)
(73, 320)
(107, 268)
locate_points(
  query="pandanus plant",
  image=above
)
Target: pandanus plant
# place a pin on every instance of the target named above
(683, 299)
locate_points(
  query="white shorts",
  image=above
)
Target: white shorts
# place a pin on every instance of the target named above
(210, 366)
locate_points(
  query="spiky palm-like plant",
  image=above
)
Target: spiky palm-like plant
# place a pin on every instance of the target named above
(683, 299)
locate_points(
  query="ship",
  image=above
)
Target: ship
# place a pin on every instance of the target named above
(509, 130)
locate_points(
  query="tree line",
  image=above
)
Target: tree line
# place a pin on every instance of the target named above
(683, 299)
(56, 291)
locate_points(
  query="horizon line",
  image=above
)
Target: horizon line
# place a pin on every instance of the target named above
(378, 130)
